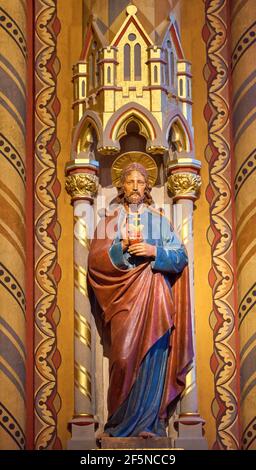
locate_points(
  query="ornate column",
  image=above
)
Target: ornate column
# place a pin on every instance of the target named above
(81, 185)
(13, 79)
(243, 34)
(184, 183)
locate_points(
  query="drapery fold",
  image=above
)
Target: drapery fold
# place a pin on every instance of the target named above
(140, 307)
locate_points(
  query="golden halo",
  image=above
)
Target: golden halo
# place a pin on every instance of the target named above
(133, 157)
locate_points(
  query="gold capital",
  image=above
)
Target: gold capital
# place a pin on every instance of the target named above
(185, 184)
(81, 185)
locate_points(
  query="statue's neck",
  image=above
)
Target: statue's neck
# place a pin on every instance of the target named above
(134, 208)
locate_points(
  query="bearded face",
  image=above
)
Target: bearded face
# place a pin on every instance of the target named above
(134, 187)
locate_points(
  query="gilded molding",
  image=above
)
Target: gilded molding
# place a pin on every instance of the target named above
(184, 185)
(80, 232)
(83, 380)
(83, 330)
(157, 149)
(81, 185)
(108, 150)
(80, 279)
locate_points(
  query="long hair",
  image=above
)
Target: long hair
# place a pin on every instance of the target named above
(148, 200)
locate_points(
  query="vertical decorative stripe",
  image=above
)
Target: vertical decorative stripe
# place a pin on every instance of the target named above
(47, 270)
(221, 233)
(30, 274)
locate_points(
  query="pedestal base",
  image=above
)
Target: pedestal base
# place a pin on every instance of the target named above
(136, 443)
(82, 435)
(190, 432)
(191, 443)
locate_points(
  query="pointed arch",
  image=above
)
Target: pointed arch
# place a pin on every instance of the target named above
(89, 118)
(127, 62)
(137, 62)
(140, 114)
(176, 117)
(147, 122)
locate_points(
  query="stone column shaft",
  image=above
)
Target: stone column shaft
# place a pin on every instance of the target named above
(83, 343)
(183, 216)
(81, 184)
(184, 184)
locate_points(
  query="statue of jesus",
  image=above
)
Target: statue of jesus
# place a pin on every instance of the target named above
(140, 279)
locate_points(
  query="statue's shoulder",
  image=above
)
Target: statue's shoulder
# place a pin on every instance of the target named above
(156, 210)
(159, 211)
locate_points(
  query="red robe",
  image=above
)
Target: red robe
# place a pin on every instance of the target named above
(140, 308)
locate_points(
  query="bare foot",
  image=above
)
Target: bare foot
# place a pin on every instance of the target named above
(146, 434)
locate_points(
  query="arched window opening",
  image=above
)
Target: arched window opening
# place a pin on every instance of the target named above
(167, 68)
(177, 138)
(133, 140)
(83, 88)
(188, 88)
(90, 71)
(162, 75)
(93, 70)
(97, 77)
(155, 74)
(109, 75)
(181, 86)
(172, 68)
(127, 62)
(137, 62)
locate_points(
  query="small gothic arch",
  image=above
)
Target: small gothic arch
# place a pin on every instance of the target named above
(167, 77)
(89, 124)
(97, 70)
(162, 74)
(144, 123)
(155, 74)
(83, 89)
(181, 87)
(135, 121)
(108, 74)
(137, 61)
(178, 133)
(177, 138)
(188, 88)
(150, 127)
(172, 68)
(127, 62)
(90, 66)
(170, 64)
(134, 138)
